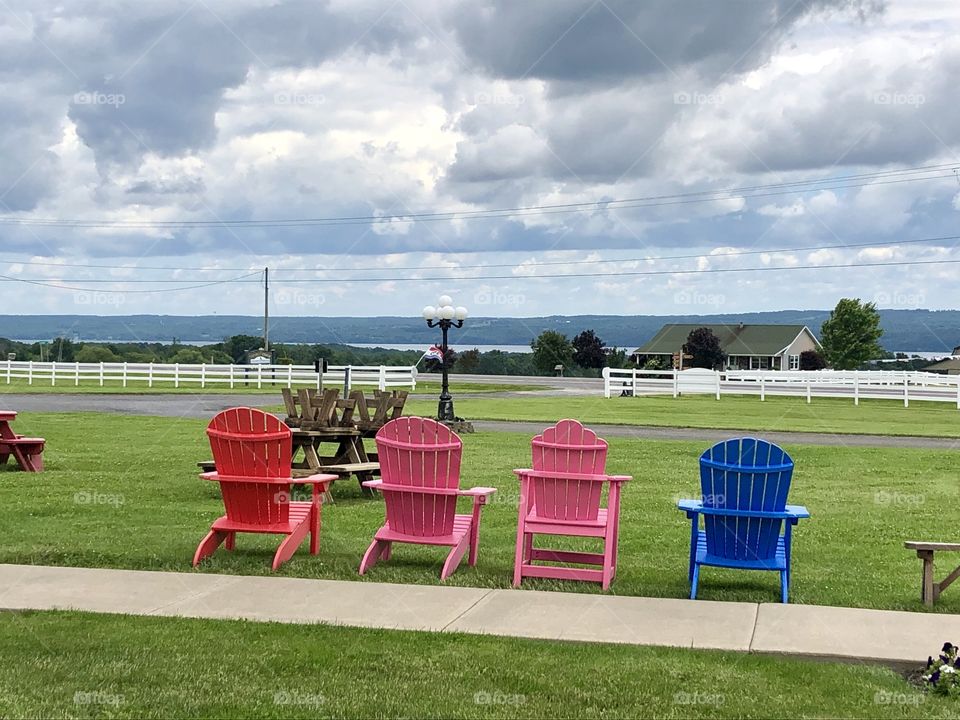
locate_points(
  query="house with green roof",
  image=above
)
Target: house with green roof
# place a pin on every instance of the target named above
(748, 347)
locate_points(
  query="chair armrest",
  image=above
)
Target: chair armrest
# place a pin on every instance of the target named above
(556, 475)
(481, 493)
(372, 483)
(382, 486)
(318, 479)
(790, 512)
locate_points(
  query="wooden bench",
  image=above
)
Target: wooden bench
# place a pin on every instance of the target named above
(930, 590)
(30, 455)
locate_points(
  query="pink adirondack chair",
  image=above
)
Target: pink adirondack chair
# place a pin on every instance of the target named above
(251, 450)
(561, 495)
(420, 482)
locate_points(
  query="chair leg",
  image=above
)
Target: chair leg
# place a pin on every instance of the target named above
(520, 556)
(315, 528)
(609, 558)
(374, 552)
(208, 545)
(231, 541)
(453, 559)
(290, 544)
(694, 581)
(387, 551)
(784, 585)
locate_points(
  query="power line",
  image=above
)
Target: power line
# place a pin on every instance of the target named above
(887, 177)
(31, 281)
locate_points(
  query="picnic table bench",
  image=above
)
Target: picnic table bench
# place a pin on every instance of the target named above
(930, 589)
(28, 451)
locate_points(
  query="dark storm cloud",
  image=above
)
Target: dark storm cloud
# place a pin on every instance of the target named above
(596, 40)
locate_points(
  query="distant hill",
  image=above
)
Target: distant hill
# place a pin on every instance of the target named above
(919, 330)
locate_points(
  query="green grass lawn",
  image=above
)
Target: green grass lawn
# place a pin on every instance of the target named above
(833, 415)
(122, 491)
(82, 665)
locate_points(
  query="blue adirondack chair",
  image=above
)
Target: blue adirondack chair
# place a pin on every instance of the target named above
(746, 520)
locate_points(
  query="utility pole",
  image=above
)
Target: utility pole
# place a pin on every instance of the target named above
(266, 308)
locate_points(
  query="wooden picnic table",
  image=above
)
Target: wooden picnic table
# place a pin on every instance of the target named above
(338, 450)
(28, 451)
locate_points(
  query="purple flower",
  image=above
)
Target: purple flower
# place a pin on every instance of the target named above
(947, 647)
(929, 660)
(935, 677)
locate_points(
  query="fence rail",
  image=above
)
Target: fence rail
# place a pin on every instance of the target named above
(855, 384)
(383, 377)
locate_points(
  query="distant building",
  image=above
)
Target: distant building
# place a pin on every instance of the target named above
(748, 347)
(947, 366)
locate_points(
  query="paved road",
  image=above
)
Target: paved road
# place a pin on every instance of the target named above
(205, 406)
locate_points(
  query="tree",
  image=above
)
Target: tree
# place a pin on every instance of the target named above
(850, 335)
(812, 360)
(588, 350)
(551, 348)
(188, 356)
(62, 349)
(617, 358)
(705, 348)
(238, 346)
(469, 360)
(95, 354)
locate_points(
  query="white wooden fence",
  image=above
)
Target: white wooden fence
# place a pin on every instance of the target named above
(855, 384)
(235, 376)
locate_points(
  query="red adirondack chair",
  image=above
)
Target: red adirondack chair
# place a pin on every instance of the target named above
(27, 451)
(251, 450)
(420, 482)
(561, 495)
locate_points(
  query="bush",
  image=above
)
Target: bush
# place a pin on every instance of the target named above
(812, 360)
(942, 676)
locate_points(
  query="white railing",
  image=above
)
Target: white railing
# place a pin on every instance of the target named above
(178, 374)
(856, 384)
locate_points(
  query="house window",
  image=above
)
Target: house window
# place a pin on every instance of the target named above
(794, 362)
(759, 362)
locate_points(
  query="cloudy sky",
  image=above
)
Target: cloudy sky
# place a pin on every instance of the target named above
(159, 140)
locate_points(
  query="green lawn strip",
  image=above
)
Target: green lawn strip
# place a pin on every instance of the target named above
(832, 415)
(138, 387)
(68, 664)
(122, 491)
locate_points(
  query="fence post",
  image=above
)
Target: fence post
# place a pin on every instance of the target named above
(906, 391)
(808, 391)
(259, 376)
(101, 373)
(8, 373)
(347, 372)
(176, 374)
(203, 375)
(53, 373)
(605, 373)
(763, 387)
(856, 387)
(150, 375)
(382, 383)
(124, 373)
(633, 385)
(76, 373)
(289, 376)
(231, 376)
(676, 382)
(30, 373)
(958, 393)
(718, 384)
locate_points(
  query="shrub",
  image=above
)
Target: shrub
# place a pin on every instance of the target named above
(942, 676)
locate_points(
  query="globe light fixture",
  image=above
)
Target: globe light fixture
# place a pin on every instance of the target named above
(445, 316)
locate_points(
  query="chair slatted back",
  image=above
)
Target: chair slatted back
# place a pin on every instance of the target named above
(419, 453)
(568, 447)
(744, 474)
(248, 444)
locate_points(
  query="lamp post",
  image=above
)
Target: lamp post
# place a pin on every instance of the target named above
(445, 316)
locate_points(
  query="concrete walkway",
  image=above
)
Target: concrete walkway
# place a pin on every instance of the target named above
(896, 638)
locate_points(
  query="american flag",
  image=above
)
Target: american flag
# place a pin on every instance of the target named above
(434, 353)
